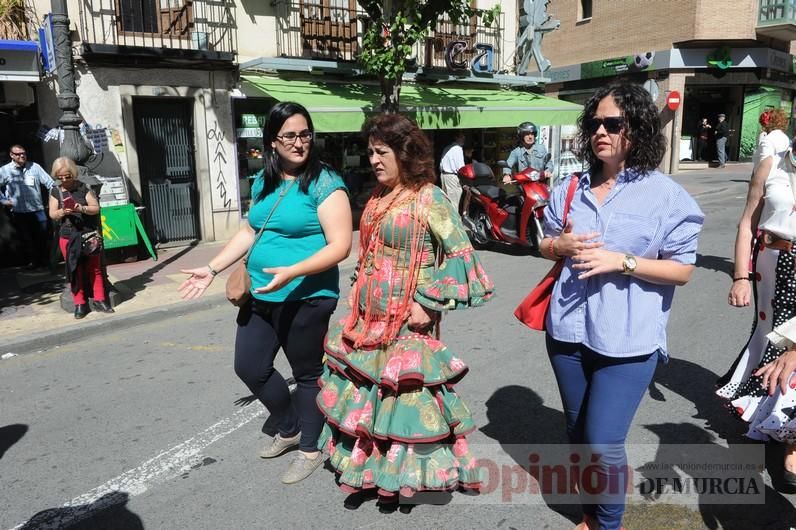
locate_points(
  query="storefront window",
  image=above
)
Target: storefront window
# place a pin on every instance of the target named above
(249, 117)
(344, 152)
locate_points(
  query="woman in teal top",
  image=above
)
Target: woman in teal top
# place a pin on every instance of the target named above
(293, 268)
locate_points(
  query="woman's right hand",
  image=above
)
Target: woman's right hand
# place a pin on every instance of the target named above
(196, 284)
(570, 243)
(740, 293)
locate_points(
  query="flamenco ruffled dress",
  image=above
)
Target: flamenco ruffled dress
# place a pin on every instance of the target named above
(394, 421)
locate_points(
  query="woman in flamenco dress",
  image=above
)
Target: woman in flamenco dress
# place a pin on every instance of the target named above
(394, 424)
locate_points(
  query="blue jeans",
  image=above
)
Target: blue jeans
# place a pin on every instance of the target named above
(600, 396)
(721, 150)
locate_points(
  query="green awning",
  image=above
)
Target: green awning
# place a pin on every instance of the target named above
(337, 107)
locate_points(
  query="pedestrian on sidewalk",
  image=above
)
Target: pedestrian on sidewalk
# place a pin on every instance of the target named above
(301, 207)
(748, 385)
(630, 238)
(452, 161)
(722, 131)
(394, 424)
(75, 210)
(704, 130)
(23, 181)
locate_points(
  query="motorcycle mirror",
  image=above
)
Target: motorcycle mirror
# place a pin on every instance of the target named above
(502, 163)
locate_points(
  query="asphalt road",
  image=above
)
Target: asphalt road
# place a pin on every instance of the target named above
(148, 427)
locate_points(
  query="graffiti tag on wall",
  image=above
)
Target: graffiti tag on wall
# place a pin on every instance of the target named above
(223, 193)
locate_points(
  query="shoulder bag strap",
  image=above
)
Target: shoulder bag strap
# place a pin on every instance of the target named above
(268, 218)
(573, 184)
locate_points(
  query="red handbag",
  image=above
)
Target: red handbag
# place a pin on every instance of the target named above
(532, 311)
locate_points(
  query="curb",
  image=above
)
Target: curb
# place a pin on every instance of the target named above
(50, 339)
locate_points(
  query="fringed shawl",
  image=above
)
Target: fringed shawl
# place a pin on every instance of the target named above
(372, 238)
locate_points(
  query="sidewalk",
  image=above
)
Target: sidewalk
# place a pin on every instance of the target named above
(699, 179)
(31, 317)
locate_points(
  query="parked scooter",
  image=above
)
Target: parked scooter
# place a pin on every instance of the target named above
(494, 213)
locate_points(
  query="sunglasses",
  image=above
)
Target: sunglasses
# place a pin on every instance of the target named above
(19, 154)
(612, 124)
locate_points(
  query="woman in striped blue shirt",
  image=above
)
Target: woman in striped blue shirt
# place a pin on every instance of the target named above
(630, 238)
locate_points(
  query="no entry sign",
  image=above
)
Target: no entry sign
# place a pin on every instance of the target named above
(673, 100)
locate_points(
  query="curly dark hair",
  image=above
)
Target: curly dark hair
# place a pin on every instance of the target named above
(411, 145)
(642, 127)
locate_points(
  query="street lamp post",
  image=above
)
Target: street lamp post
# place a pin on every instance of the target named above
(73, 145)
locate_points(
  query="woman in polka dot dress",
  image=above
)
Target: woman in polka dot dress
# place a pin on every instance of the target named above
(769, 212)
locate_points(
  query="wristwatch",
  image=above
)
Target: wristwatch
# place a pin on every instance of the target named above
(212, 271)
(629, 264)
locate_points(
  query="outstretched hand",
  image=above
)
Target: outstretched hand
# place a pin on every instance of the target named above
(196, 284)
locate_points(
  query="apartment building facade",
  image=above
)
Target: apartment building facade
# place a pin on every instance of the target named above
(174, 92)
(734, 58)
(307, 53)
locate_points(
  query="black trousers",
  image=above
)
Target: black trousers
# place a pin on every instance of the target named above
(299, 328)
(31, 233)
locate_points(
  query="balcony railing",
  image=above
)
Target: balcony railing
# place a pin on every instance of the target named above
(333, 29)
(206, 27)
(777, 19)
(320, 29)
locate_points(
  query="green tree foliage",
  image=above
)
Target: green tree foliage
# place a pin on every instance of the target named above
(395, 26)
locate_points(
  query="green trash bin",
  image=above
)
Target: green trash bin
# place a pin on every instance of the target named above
(121, 227)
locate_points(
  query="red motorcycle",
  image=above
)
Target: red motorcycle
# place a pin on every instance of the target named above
(494, 213)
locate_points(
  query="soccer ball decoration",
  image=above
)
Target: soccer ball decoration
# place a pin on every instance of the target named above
(643, 60)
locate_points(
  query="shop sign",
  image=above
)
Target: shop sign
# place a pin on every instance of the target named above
(46, 45)
(781, 61)
(19, 61)
(610, 67)
(481, 63)
(564, 74)
(720, 58)
(252, 120)
(250, 132)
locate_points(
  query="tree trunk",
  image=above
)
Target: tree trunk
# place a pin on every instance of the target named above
(390, 95)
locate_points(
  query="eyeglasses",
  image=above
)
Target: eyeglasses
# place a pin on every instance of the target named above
(19, 154)
(612, 124)
(289, 138)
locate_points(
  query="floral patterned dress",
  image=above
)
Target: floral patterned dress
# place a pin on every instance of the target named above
(393, 420)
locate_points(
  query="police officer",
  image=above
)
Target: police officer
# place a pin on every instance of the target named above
(527, 154)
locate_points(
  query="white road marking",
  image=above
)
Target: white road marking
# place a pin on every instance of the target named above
(161, 468)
